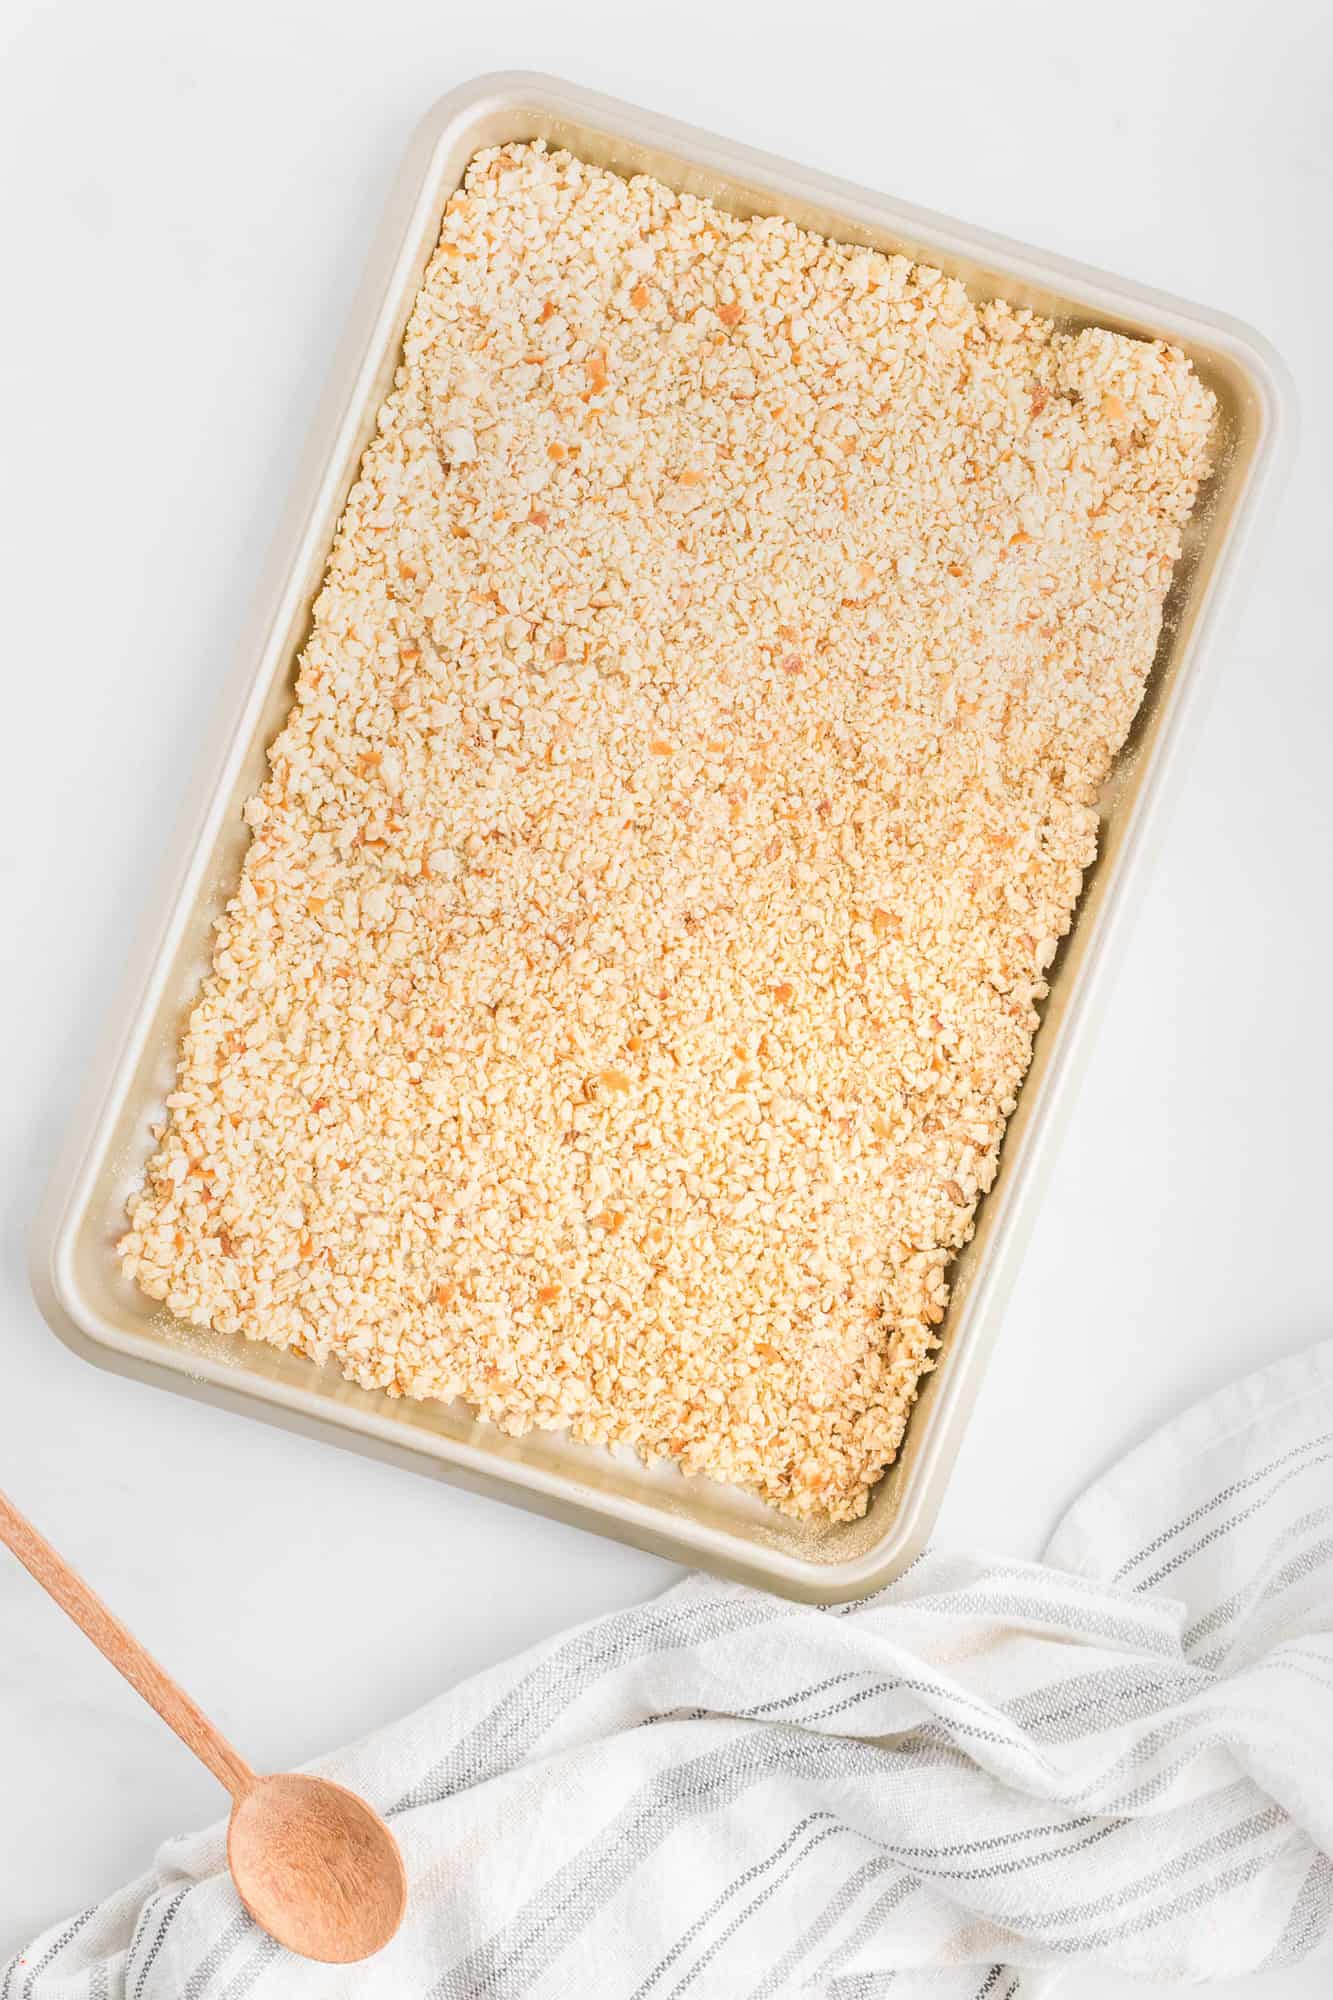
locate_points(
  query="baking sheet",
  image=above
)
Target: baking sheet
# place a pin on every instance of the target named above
(75, 1272)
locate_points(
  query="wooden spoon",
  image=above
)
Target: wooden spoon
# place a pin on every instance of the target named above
(314, 1866)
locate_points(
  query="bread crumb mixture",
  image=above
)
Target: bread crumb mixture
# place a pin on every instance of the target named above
(692, 769)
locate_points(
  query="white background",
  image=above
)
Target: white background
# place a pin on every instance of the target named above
(186, 198)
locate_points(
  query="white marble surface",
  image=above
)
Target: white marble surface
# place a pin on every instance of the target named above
(186, 198)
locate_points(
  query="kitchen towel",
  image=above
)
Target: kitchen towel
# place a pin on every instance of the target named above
(982, 1776)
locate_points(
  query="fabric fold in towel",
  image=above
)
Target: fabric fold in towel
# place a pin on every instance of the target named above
(964, 1785)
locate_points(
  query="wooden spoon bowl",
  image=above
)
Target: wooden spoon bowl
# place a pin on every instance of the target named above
(316, 1868)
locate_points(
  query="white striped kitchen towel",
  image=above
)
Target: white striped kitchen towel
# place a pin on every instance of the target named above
(985, 1774)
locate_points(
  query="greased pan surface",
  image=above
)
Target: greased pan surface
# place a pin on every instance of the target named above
(75, 1272)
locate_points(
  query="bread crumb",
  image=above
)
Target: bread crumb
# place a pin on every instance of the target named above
(692, 770)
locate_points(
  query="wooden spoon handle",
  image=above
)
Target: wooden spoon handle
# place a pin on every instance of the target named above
(123, 1650)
